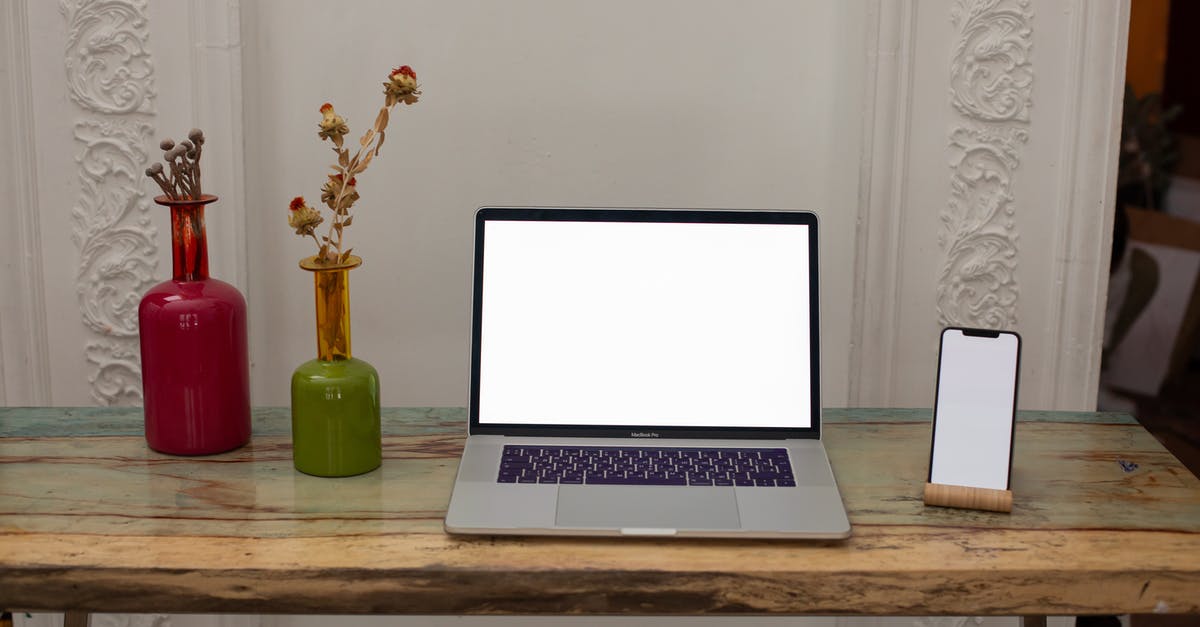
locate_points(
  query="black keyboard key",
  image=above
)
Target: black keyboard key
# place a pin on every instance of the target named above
(662, 481)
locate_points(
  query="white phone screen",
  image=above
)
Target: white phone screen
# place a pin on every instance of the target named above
(973, 417)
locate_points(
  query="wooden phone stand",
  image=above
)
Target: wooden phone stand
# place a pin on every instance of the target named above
(968, 498)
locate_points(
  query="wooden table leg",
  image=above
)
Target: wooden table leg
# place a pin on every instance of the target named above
(77, 619)
(1033, 621)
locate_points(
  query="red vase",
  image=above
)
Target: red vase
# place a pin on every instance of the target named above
(195, 363)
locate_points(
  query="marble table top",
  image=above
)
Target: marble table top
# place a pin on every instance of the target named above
(1105, 520)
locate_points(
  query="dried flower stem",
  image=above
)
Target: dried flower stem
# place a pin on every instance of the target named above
(339, 192)
(369, 146)
(180, 180)
(196, 166)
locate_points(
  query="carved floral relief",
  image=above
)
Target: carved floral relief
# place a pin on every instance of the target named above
(991, 80)
(110, 75)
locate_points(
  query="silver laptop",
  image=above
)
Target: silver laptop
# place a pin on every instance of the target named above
(645, 373)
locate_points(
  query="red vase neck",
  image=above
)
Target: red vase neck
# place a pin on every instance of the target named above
(189, 243)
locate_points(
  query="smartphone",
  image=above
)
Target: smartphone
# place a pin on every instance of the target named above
(975, 408)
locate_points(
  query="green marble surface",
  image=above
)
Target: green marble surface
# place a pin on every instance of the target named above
(1104, 520)
(62, 467)
(118, 421)
(127, 421)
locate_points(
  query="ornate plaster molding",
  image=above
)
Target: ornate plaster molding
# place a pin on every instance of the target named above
(991, 80)
(109, 69)
(110, 75)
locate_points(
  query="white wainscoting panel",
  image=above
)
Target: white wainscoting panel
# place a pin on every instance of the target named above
(24, 351)
(104, 81)
(1084, 208)
(884, 178)
(1016, 233)
(110, 80)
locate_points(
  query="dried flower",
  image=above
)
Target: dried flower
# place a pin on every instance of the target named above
(334, 189)
(332, 125)
(303, 218)
(401, 86)
(180, 180)
(340, 191)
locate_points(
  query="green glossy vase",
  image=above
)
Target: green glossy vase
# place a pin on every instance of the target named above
(335, 397)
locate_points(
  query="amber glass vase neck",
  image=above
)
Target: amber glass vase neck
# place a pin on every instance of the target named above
(333, 313)
(189, 243)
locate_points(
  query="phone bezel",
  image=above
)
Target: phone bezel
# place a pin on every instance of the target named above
(974, 332)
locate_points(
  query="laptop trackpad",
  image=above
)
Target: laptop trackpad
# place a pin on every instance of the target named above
(648, 507)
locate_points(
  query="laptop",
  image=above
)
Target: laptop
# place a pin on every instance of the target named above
(645, 372)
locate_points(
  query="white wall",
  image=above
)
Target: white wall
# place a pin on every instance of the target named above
(837, 107)
(842, 108)
(625, 103)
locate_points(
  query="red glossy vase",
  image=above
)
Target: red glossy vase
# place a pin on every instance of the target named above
(195, 363)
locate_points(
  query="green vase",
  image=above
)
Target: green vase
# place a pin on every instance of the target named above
(335, 397)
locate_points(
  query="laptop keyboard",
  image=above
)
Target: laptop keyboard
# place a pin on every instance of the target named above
(596, 465)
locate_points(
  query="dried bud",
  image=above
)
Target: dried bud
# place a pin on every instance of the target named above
(332, 125)
(302, 217)
(154, 169)
(401, 86)
(333, 188)
(196, 135)
(167, 144)
(187, 144)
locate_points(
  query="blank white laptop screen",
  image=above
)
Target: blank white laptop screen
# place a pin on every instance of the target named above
(642, 323)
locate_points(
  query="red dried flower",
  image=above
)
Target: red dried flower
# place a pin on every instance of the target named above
(401, 86)
(303, 218)
(332, 126)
